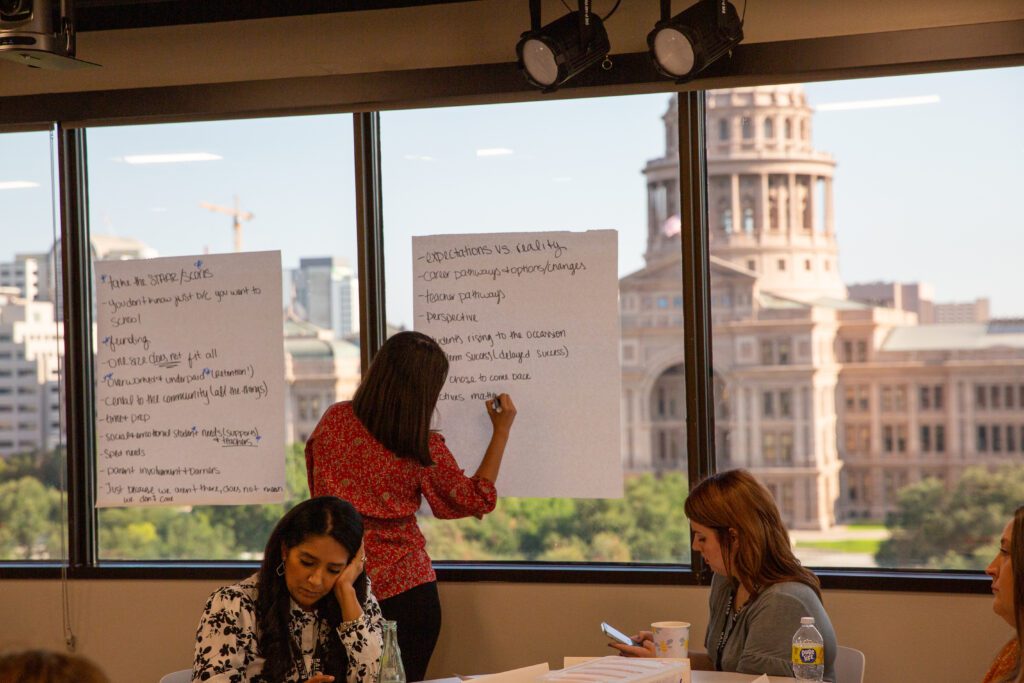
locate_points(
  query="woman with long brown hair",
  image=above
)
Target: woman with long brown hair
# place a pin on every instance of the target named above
(760, 590)
(379, 452)
(1007, 572)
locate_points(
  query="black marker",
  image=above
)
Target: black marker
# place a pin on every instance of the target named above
(497, 403)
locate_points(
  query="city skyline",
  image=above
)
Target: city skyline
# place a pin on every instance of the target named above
(499, 157)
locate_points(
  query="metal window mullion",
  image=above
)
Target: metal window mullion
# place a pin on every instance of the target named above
(76, 278)
(700, 427)
(370, 237)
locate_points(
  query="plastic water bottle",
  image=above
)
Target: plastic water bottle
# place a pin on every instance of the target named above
(390, 669)
(808, 652)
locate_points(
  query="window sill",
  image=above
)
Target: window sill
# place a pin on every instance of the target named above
(522, 572)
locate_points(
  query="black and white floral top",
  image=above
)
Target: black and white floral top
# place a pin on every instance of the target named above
(227, 650)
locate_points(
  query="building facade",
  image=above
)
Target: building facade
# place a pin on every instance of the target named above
(836, 397)
(326, 294)
(31, 351)
(319, 371)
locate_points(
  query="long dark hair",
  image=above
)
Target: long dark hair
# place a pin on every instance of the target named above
(323, 516)
(735, 500)
(398, 394)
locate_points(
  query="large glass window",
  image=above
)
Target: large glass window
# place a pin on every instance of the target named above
(190, 189)
(32, 461)
(908, 237)
(570, 165)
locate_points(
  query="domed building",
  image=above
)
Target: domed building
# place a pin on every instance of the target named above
(836, 397)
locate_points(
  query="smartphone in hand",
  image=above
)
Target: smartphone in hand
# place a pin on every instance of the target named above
(617, 635)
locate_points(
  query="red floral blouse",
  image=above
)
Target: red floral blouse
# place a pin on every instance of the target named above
(343, 459)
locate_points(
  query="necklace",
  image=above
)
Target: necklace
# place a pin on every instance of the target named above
(731, 616)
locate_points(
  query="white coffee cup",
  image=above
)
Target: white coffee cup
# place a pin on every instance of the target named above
(671, 638)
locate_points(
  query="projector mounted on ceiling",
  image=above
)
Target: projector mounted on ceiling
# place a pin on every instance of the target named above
(39, 34)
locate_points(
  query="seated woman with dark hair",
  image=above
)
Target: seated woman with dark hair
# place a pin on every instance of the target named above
(307, 616)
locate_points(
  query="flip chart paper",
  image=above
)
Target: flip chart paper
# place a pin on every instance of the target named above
(190, 380)
(535, 315)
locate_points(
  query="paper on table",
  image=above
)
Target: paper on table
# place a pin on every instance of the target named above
(763, 678)
(527, 674)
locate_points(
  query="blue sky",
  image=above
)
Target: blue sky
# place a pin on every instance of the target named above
(923, 192)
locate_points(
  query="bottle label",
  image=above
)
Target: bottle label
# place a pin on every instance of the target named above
(808, 654)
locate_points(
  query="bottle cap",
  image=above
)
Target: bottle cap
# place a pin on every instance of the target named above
(805, 621)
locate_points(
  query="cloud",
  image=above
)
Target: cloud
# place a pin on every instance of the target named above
(17, 184)
(173, 158)
(879, 104)
(494, 152)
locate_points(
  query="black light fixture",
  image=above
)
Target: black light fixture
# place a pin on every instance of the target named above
(684, 45)
(39, 34)
(550, 55)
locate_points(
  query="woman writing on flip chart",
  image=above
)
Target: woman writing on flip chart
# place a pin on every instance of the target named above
(379, 452)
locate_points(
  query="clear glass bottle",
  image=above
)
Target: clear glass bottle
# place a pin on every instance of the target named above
(390, 669)
(808, 651)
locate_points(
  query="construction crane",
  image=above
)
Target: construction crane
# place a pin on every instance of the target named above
(237, 216)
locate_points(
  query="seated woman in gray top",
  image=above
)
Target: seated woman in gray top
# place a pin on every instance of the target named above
(759, 591)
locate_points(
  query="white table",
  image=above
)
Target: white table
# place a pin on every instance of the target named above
(698, 677)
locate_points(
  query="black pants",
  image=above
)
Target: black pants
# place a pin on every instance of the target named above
(418, 614)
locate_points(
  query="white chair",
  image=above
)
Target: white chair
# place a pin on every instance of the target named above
(183, 676)
(849, 665)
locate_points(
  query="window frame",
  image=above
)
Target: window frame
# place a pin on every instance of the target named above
(896, 53)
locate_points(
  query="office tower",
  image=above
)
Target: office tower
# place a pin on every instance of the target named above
(29, 273)
(31, 348)
(326, 290)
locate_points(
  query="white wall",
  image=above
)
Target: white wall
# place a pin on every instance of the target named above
(138, 630)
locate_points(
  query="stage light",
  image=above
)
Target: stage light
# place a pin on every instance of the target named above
(684, 45)
(550, 55)
(39, 34)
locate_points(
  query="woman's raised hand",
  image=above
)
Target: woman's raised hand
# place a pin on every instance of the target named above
(351, 572)
(502, 412)
(345, 592)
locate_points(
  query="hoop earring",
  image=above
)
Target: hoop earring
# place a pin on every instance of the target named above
(280, 569)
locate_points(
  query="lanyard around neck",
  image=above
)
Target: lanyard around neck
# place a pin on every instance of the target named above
(300, 660)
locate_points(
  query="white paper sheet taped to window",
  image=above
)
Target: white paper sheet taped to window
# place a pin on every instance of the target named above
(625, 669)
(535, 315)
(190, 390)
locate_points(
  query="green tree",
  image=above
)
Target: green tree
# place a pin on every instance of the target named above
(956, 528)
(646, 525)
(208, 532)
(252, 524)
(46, 466)
(30, 515)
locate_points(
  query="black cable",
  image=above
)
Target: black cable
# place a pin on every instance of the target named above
(744, 14)
(612, 10)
